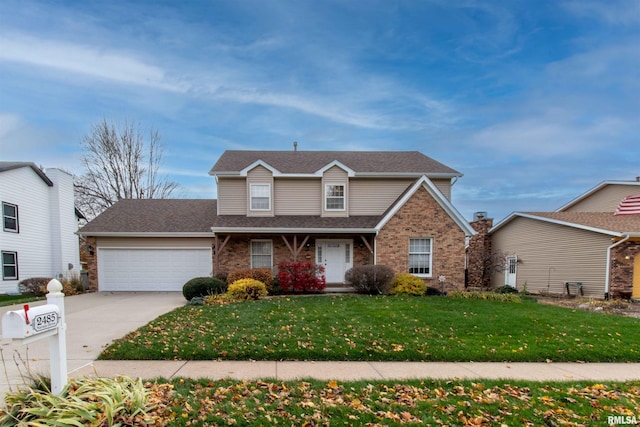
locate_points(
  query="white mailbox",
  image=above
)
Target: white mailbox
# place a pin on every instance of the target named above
(31, 321)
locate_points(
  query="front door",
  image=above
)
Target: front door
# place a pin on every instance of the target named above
(336, 257)
(511, 269)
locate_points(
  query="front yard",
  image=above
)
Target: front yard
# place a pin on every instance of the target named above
(386, 328)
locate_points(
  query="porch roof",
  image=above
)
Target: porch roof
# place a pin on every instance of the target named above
(294, 224)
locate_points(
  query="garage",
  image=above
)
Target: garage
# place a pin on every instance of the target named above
(151, 269)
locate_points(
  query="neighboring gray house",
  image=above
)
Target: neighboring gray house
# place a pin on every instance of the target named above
(588, 241)
(39, 224)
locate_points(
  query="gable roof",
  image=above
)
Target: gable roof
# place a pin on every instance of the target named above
(424, 182)
(595, 190)
(154, 217)
(7, 166)
(360, 163)
(597, 222)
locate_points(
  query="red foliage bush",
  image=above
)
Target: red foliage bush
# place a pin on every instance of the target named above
(301, 277)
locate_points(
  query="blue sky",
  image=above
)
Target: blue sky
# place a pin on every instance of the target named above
(535, 102)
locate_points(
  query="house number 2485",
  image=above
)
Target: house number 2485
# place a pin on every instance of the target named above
(45, 321)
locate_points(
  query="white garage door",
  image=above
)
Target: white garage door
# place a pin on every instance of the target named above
(150, 269)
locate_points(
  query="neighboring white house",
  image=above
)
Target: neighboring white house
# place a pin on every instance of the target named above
(39, 224)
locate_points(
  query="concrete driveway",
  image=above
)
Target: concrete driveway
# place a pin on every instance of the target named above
(94, 320)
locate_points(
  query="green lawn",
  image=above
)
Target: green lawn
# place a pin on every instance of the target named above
(314, 403)
(383, 328)
(17, 299)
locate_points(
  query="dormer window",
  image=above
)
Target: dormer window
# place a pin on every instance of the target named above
(334, 195)
(260, 197)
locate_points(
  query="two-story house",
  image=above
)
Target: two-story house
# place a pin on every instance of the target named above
(593, 240)
(39, 224)
(338, 209)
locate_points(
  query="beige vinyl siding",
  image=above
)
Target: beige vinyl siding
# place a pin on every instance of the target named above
(154, 242)
(335, 175)
(551, 254)
(232, 196)
(444, 185)
(369, 196)
(604, 200)
(259, 175)
(297, 196)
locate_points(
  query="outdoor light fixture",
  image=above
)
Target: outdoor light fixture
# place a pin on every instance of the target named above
(90, 250)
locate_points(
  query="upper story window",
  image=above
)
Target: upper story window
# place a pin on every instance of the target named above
(334, 195)
(260, 197)
(420, 256)
(9, 265)
(10, 217)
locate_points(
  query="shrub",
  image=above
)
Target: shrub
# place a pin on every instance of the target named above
(492, 296)
(407, 284)
(301, 277)
(370, 279)
(36, 286)
(203, 286)
(506, 289)
(197, 301)
(264, 275)
(434, 291)
(247, 289)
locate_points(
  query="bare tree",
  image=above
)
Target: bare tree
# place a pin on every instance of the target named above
(119, 164)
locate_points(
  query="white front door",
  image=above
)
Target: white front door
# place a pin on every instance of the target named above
(336, 257)
(511, 269)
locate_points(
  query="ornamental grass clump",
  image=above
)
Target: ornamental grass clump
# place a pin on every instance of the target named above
(246, 289)
(407, 284)
(491, 296)
(91, 402)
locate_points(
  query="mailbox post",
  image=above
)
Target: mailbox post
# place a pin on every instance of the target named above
(32, 324)
(58, 341)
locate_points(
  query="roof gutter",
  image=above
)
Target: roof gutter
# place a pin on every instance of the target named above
(266, 230)
(142, 234)
(608, 266)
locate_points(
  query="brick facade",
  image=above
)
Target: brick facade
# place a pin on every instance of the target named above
(622, 260)
(92, 263)
(479, 255)
(422, 216)
(236, 253)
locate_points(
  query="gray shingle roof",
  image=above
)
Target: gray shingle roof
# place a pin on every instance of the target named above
(7, 166)
(306, 162)
(155, 216)
(602, 220)
(295, 222)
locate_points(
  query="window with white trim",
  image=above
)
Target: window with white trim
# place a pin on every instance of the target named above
(420, 256)
(334, 195)
(9, 265)
(10, 217)
(261, 254)
(260, 197)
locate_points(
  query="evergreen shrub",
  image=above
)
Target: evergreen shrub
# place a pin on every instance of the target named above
(203, 286)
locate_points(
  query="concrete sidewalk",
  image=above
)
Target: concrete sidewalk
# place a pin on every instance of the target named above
(346, 371)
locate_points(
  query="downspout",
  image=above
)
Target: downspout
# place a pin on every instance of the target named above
(608, 267)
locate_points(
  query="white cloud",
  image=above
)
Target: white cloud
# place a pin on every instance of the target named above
(625, 12)
(88, 61)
